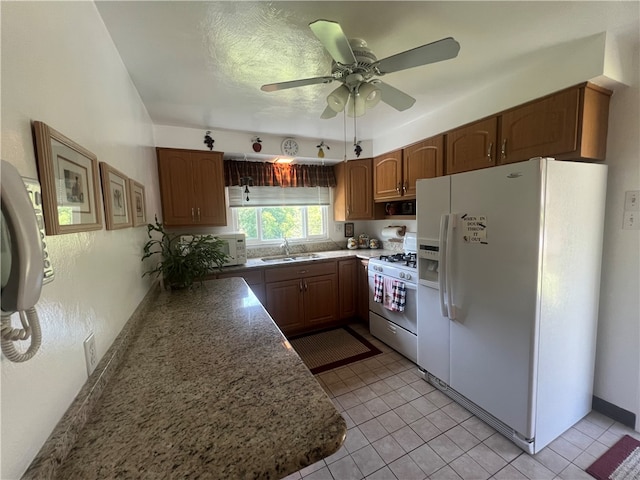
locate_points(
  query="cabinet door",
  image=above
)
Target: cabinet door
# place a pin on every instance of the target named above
(387, 176)
(472, 147)
(347, 287)
(363, 290)
(422, 160)
(285, 304)
(320, 299)
(176, 187)
(209, 188)
(353, 195)
(542, 128)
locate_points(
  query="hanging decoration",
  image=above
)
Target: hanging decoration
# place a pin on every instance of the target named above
(245, 182)
(256, 144)
(321, 148)
(357, 149)
(208, 140)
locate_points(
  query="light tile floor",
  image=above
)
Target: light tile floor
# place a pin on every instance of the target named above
(400, 427)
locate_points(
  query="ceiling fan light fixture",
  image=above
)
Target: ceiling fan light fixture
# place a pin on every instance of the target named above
(370, 94)
(338, 98)
(356, 105)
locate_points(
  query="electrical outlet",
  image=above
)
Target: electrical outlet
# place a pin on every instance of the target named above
(90, 354)
(631, 221)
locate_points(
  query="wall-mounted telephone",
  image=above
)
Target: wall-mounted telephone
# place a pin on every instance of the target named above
(25, 262)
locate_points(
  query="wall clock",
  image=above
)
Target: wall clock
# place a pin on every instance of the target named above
(289, 147)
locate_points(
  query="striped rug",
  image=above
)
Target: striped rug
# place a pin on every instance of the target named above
(332, 348)
(620, 462)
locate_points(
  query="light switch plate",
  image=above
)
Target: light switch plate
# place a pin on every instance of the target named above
(632, 201)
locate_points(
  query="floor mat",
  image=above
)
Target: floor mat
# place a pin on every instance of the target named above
(332, 348)
(620, 462)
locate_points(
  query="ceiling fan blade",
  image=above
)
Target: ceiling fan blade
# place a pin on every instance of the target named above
(328, 113)
(394, 97)
(334, 40)
(430, 53)
(272, 87)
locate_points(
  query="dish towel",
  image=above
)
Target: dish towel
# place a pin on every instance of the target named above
(388, 293)
(399, 294)
(378, 289)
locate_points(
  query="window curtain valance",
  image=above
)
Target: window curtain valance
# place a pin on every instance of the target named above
(277, 175)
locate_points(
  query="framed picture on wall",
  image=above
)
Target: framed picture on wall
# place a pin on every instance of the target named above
(115, 190)
(69, 180)
(138, 205)
(348, 229)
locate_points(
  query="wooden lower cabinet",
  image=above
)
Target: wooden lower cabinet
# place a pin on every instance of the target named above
(302, 298)
(363, 290)
(285, 304)
(348, 283)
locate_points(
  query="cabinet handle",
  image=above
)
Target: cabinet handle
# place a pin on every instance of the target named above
(489, 151)
(398, 188)
(503, 151)
(302, 272)
(193, 214)
(348, 210)
(300, 285)
(198, 214)
(404, 188)
(306, 287)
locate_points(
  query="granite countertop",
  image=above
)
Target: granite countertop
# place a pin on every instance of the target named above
(208, 388)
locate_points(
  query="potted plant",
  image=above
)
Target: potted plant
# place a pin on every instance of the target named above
(182, 263)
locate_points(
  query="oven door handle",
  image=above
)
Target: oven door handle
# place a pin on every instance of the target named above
(442, 270)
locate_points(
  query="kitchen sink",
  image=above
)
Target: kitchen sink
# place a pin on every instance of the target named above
(290, 258)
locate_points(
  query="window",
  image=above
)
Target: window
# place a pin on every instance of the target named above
(269, 214)
(272, 224)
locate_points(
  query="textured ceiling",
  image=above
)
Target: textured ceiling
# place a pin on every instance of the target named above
(201, 64)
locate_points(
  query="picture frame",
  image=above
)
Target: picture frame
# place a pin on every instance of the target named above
(115, 192)
(138, 205)
(348, 229)
(68, 175)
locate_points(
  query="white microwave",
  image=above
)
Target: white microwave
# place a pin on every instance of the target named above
(234, 245)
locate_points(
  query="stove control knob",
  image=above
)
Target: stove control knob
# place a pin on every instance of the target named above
(408, 276)
(401, 274)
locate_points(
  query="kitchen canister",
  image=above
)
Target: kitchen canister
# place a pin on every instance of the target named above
(352, 243)
(363, 241)
(374, 243)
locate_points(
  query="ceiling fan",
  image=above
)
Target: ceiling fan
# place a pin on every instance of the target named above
(355, 67)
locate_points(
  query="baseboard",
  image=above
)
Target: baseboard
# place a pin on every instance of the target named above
(614, 412)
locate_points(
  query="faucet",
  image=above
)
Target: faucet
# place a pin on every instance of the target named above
(285, 247)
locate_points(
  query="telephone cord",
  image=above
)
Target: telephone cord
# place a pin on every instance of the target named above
(31, 324)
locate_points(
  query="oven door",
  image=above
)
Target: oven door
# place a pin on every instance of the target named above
(406, 319)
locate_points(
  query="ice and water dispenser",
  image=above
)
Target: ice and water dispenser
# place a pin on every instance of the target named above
(428, 260)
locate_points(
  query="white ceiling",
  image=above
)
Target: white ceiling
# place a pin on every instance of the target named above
(201, 64)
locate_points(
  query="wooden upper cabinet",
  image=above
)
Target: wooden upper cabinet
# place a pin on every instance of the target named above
(191, 187)
(472, 147)
(387, 176)
(353, 197)
(568, 125)
(424, 159)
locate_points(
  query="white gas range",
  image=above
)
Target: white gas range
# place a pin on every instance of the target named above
(392, 298)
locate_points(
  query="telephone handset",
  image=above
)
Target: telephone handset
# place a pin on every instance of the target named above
(23, 267)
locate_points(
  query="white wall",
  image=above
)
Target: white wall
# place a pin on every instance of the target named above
(617, 377)
(59, 66)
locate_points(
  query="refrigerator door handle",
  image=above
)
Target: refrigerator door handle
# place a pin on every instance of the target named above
(448, 254)
(442, 270)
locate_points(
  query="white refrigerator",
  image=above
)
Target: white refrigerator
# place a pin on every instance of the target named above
(509, 277)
